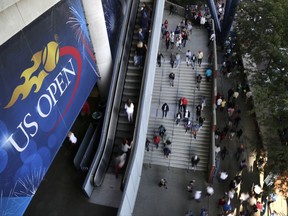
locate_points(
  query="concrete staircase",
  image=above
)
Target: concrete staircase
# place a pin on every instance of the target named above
(183, 145)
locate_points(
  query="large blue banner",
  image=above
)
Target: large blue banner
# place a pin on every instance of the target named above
(46, 73)
(114, 12)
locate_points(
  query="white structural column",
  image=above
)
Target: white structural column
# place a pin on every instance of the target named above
(97, 27)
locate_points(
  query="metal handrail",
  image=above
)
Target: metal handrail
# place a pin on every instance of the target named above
(213, 127)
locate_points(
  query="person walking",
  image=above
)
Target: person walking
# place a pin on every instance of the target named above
(180, 105)
(188, 57)
(198, 111)
(178, 59)
(85, 111)
(166, 24)
(194, 161)
(172, 39)
(203, 103)
(171, 78)
(186, 115)
(163, 183)
(223, 175)
(243, 164)
(200, 57)
(171, 9)
(167, 40)
(156, 140)
(178, 118)
(185, 103)
(119, 163)
(209, 191)
(193, 61)
(240, 150)
(197, 196)
(210, 57)
(129, 107)
(163, 31)
(172, 60)
(223, 152)
(147, 143)
(165, 109)
(179, 42)
(125, 146)
(239, 133)
(184, 38)
(159, 58)
(223, 104)
(201, 121)
(162, 130)
(198, 81)
(166, 151)
(141, 35)
(217, 149)
(141, 50)
(190, 186)
(195, 129)
(230, 93)
(188, 126)
(218, 103)
(208, 74)
(212, 38)
(236, 121)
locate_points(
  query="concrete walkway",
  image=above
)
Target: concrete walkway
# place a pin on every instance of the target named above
(154, 200)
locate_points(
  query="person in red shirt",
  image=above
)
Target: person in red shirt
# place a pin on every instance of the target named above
(166, 24)
(184, 103)
(156, 140)
(85, 111)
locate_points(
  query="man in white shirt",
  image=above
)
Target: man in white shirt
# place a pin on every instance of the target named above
(178, 59)
(197, 196)
(212, 38)
(129, 107)
(209, 191)
(188, 57)
(219, 102)
(217, 149)
(257, 189)
(125, 146)
(223, 176)
(244, 197)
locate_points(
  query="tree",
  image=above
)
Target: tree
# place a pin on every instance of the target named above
(261, 29)
(277, 159)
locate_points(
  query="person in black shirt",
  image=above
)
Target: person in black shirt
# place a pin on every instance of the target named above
(165, 109)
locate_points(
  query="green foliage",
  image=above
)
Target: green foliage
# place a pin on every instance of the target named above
(277, 159)
(262, 30)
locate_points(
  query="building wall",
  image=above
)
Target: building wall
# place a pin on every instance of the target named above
(16, 14)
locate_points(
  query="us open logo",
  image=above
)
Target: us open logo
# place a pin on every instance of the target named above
(44, 63)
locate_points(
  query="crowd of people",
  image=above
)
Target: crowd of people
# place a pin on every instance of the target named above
(228, 138)
(176, 39)
(143, 30)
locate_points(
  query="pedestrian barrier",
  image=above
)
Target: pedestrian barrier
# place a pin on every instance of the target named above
(83, 146)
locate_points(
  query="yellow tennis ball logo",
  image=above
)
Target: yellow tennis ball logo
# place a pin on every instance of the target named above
(50, 56)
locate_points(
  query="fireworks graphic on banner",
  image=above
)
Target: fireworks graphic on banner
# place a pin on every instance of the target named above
(29, 184)
(109, 14)
(114, 15)
(78, 23)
